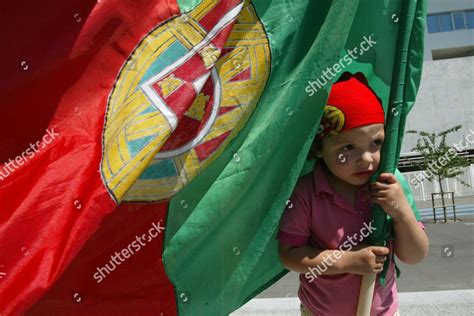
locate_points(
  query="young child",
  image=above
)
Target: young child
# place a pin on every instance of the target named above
(322, 230)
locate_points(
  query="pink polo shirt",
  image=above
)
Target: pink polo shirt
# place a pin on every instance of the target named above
(317, 216)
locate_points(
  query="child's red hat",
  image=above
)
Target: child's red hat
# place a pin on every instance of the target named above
(351, 103)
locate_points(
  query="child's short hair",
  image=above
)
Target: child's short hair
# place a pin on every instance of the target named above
(315, 147)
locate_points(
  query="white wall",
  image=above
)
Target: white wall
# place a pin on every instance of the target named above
(435, 6)
(445, 99)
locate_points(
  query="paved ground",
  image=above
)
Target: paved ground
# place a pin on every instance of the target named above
(457, 303)
(454, 302)
(450, 261)
(448, 266)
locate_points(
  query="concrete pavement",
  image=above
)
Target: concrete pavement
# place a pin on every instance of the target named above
(458, 303)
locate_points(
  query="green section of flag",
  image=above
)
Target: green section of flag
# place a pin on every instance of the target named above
(220, 248)
(406, 77)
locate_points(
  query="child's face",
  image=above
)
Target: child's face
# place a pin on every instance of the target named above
(354, 151)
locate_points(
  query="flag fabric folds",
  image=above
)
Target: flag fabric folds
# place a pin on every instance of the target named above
(150, 147)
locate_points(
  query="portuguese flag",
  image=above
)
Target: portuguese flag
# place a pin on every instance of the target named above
(150, 147)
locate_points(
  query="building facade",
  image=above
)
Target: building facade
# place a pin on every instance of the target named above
(446, 94)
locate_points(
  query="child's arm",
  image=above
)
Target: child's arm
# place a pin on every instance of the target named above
(411, 243)
(362, 259)
(301, 258)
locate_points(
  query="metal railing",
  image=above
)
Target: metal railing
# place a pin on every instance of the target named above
(449, 194)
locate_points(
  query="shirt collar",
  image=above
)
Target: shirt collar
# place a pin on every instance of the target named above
(321, 183)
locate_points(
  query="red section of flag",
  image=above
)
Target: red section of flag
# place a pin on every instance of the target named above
(181, 99)
(60, 66)
(226, 109)
(118, 271)
(205, 150)
(242, 76)
(185, 132)
(189, 126)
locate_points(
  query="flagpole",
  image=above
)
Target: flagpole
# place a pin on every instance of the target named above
(396, 113)
(365, 301)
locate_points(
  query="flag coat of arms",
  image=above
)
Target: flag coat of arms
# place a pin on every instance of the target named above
(150, 147)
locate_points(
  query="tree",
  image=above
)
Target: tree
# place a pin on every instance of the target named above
(439, 160)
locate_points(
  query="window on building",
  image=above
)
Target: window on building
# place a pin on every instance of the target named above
(458, 18)
(433, 24)
(445, 22)
(469, 19)
(450, 21)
